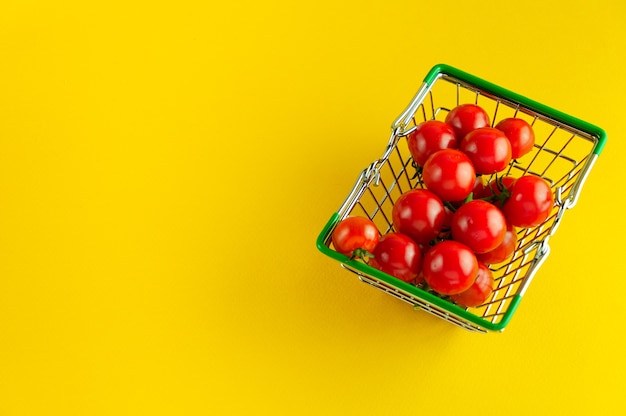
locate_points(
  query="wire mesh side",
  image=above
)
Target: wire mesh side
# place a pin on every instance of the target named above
(416, 302)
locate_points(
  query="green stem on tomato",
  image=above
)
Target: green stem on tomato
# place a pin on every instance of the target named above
(362, 254)
(418, 169)
(449, 205)
(503, 192)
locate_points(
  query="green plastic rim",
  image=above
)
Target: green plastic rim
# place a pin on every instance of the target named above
(597, 132)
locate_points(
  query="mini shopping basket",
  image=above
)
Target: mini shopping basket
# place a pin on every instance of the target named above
(564, 153)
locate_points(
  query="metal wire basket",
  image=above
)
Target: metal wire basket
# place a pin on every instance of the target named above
(564, 153)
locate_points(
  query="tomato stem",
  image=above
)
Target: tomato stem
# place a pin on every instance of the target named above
(361, 253)
(450, 206)
(418, 169)
(497, 198)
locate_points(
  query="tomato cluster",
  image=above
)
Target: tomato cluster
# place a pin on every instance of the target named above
(448, 230)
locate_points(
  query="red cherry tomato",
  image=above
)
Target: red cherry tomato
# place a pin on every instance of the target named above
(479, 291)
(449, 174)
(479, 225)
(355, 237)
(419, 214)
(519, 133)
(428, 137)
(530, 203)
(465, 118)
(503, 251)
(488, 149)
(449, 267)
(398, 255)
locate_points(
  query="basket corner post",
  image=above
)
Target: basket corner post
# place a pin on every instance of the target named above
(435, 71)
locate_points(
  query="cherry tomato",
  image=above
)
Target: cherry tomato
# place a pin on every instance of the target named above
(503, 251)
(479, 291)
(488, 149)
(479, 225)
(465, 118)
(530, 203)
(355, 237)
(449, 267)
(519, 133)
(419, 214)
(398, 255)
(428, 137)
(449, 174)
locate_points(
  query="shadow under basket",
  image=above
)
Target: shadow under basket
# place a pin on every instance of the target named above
(564, 152)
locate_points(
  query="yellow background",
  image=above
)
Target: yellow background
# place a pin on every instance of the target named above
(165, 169)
